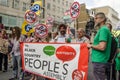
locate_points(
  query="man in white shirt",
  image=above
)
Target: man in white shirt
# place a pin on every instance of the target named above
(62, 37)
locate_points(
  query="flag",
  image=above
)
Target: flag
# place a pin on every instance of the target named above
(26, 28)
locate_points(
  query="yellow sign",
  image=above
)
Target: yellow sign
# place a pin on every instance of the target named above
(36, 7)
(26, 28)
(116, 33)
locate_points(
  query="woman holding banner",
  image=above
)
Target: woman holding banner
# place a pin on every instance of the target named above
(36, 39)
(16, 53)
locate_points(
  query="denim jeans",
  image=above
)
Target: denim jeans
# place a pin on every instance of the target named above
(16, 66)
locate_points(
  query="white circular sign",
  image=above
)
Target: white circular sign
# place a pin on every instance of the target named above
(30, 16)
(75, 10)
(49, 22)
(41, 30)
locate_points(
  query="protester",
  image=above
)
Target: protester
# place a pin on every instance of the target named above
(110, 70)
(10, 46)
(16, 54)
(117, 60)
(3, 50)
(29, 38)
(62, 37)
(54, 36)
(81, 38)
(36, 39)
(101, 47)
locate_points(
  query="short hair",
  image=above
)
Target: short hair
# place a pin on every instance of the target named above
(62, 25)
(81, 29)
(110, 26)
(102, 15)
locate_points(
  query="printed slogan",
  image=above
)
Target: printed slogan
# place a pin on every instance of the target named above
(55, 61)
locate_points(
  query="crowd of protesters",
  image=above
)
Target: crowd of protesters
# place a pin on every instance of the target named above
(100, 49)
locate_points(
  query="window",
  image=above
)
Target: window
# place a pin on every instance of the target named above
(58, 9)
(24, 6)
(70, 4)
(54, 16)
(66, 3)
(12, 21)
(15, 4)
(59, 1)
(4, 2)
(53, 0)
(62, 10)
(19, 21)
(63, 3)
(54, 7)
(4, 19)
(48, 6)
(58, 17)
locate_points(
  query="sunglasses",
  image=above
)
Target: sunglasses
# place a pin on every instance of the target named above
(97, 17)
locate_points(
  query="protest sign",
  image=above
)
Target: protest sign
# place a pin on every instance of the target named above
(36, 7)
(55, 61)
(41, 31)
(49, 22)
(30, 16)
(75, 10)
(26, 28)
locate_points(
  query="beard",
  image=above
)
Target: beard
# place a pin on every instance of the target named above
(97, 24)
(62, 32)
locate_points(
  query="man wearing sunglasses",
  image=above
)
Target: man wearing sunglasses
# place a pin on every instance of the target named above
(101, 47)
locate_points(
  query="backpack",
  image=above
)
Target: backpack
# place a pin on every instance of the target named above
(114, 45)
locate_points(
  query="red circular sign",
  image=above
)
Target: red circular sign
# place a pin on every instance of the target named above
(77, 75)
(30, 16)
(49, 22)
(75, 10)
(41, 31)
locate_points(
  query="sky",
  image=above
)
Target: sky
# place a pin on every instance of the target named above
(115, 4)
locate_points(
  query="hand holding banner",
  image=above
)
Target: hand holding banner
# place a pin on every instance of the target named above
(56, 61)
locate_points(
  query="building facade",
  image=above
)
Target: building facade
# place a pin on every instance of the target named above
(83, 18)
(12, 11)
(56, 10)
(112, 15)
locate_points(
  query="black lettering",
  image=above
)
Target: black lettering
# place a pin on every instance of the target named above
(26, 49)
(49, 67)
(45, 63)
(66, 71)
(32, 50)
(30, 62)
(26, 60)
(26, 46)
(55, 67)
(37, 67)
